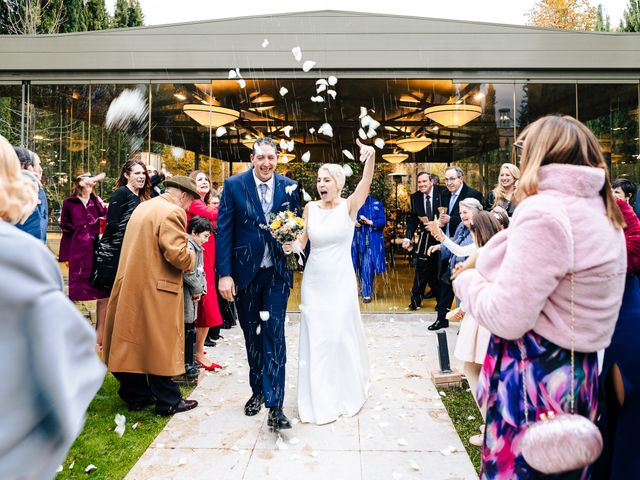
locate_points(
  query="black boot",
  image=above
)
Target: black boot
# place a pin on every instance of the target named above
(438, 324)
(277, 419)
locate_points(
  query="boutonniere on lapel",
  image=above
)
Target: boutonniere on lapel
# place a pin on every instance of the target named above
(289, 189)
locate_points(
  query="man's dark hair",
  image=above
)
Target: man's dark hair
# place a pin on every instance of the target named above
(265, 141)
(423, 173)
(198, 225)
(25, 156)
(625, 185)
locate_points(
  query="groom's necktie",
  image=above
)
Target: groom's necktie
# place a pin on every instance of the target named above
(266, 208)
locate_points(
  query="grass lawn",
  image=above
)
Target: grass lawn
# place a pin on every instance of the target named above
(466, 417)
(99, 445)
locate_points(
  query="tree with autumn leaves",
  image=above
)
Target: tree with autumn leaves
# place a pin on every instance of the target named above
(563, 14)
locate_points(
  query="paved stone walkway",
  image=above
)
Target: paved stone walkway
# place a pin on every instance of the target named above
(399, 434)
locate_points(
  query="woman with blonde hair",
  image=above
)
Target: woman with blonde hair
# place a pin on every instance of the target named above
(549, 289)
(503, 193)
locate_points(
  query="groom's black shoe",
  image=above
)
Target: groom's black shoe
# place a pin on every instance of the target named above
(253, 406)
(438, 324)
(277, 420)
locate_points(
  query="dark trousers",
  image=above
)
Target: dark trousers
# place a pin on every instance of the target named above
(141, 388)
(264, 340)
(426, 274)
(446, 295)
(189, 344)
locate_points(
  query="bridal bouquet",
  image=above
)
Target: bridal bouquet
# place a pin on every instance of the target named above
(285, 227)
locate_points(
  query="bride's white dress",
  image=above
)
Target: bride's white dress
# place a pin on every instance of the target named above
(333, 365)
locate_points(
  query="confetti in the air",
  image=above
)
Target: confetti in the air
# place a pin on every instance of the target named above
(289, 189)
(332, 93)
(90, 468)
(306, 156)
(297, 53)
(265, 42)
(347, 154)
(283, 91)
(305, 196)
(363, 112)
(312, 130)
(308, 65)
(317, 99)
(332, 80)
(347, 170)
(242, 83)
(232, 74)
(221, 132)
(287, 130)
(362, 134)
(129, 106)
(321, 88)
(326, 129)
(264, 315)
(379, 143)
(177, 153)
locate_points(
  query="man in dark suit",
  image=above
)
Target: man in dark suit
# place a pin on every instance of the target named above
(424, 206)
(252, 268)
(456, 190)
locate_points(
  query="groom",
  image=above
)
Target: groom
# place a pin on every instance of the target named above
(251, 266)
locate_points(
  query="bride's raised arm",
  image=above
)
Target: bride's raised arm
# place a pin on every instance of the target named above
(358, 197)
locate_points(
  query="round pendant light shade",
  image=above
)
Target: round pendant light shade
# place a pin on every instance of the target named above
(395, 157)
(453, 115)
(414, 144)
(210, 115)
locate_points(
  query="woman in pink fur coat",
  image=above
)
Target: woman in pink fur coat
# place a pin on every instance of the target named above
(563, 251)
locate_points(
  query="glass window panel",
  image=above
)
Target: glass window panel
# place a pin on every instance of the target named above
(11, 112)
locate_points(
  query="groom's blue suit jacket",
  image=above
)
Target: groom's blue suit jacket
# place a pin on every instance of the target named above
(240, 240)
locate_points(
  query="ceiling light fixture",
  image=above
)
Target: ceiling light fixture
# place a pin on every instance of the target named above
(414, 144)
(180, 96)
(453, 115)
(395, 157)
(209, 115)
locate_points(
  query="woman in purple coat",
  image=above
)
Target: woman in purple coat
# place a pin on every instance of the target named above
(80, 223)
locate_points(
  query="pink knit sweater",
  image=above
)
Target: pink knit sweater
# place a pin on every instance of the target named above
(522, 277)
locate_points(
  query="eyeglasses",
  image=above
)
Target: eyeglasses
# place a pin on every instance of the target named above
(450, 180)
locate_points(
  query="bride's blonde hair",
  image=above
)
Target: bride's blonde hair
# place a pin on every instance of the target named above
(18, 195)
(336, 172)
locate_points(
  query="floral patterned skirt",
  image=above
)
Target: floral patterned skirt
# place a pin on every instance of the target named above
(548, 384)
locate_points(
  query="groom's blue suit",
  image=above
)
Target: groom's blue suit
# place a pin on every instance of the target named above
(240, 247)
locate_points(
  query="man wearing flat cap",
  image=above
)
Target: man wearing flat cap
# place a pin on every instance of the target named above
(144, 332)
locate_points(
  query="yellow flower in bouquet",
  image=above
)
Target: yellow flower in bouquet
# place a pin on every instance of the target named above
(285, 227)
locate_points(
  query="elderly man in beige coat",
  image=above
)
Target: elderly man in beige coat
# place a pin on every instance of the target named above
(144, 330)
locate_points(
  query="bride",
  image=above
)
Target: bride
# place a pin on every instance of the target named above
(333, 366)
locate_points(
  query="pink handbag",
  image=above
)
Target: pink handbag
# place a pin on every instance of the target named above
(560, 442)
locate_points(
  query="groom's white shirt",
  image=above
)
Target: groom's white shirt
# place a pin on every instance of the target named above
(266, 257)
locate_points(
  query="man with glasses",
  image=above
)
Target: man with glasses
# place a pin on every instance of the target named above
(456, 190)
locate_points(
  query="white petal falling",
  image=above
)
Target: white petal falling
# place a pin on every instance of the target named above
(402, 442)
(264, 315)
(258, 330)
(283, 91)
(332, 80)
(242, 83)
(290, 145)
(289, 189)
(347, 154)
(71, 465)
(348, 171)
(221, 132)
(305, 196)
(90, 468)
(177, 153)
(181, 462)
(312, 130)
(130, 106)
(306, 156)
(365, 121)
(232, 74)
(265, 42)
(297, 53)
(374, 123)
(362, 134)
(414, 465)
(59, 469)
(371, 132)
(333, 93)
(379, 143)
(308, 65)
(283, 144)
(287, 130)
(280, 444)
(317, 99)
(321, 88)
(363, 111)
(326, 129)
(321, 81)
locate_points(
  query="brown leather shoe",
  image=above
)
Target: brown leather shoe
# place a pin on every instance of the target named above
(183, 406)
